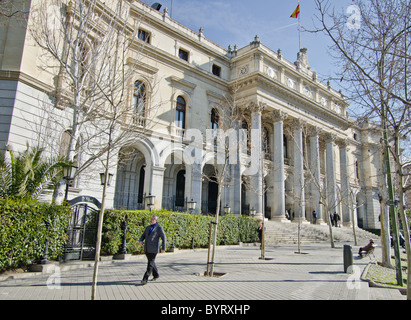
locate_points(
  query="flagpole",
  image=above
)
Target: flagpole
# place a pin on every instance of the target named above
(299, 26)
(297, 14)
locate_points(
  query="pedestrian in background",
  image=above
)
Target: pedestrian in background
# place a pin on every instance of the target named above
(314, 217)
(151, 236)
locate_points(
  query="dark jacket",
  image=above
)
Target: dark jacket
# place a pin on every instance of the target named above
(152, 239)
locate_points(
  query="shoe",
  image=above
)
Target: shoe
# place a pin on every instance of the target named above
(144, 281)
(154, 278)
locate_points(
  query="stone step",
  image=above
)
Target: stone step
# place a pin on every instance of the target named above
(277, 233)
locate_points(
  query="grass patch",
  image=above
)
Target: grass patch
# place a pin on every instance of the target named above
(385, 276)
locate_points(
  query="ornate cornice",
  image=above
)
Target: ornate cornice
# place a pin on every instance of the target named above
(305, 104)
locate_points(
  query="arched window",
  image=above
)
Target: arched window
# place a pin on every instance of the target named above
(180, 120)
(139, 99)
(64, 143)
(215, 118)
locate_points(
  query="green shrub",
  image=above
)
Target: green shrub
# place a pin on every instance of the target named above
(181, 229)
(23, 231)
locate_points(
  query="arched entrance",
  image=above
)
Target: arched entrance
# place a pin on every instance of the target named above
(131, 180)
(174, 187)
(209, 190)
(180, 190)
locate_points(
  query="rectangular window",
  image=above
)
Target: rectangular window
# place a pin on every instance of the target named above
(216, 70)
(183, 54)
(144, 35)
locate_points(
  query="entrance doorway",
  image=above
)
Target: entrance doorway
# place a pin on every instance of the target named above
(82, 229)
(180, 190)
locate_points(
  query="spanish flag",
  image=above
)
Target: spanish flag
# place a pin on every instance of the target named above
(296, 12)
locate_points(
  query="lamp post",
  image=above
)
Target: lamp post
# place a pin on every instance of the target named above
(252, 212)
(124, 244)
(150, 200)
(227, 209)
(103, 178)
(191, 205)
(45, 257)
(68, 174)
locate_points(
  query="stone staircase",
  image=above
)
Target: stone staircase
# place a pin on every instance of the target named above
(287, 233)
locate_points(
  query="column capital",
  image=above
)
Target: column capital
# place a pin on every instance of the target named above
(314, 131)
(256, 106)
(278, 115)
(342, 143)
(297, 123)
(329, 137)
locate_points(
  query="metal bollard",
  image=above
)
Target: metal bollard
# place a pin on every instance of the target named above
(348, 258)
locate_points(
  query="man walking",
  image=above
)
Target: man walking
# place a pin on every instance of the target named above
(152, 235)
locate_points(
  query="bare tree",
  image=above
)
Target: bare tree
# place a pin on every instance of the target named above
(94, 51)
(222, 141)
(373, 48)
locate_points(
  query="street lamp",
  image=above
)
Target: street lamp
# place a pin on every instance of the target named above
(227, 209)
(150, 200)
(103, 178)
(68, 174)
(252, 212)
(191, 205)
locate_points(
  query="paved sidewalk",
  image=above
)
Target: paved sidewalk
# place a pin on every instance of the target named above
(316, 274)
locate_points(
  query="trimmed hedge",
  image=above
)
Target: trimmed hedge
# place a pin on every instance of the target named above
(23, 231)
(181, 229)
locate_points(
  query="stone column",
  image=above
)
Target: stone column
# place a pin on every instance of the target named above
(330, 168)
(298, 183)
(316, 174)
(235, 167)
(195, 189)
(235, 189)
(255, 170)
(278, 177)
(156, 182)
(345, 186)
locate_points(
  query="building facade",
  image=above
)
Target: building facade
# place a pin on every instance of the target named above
(293, 147)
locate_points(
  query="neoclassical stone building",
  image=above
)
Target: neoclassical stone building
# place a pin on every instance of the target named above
(308, 155)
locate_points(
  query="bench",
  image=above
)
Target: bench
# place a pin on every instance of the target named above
(367, 253)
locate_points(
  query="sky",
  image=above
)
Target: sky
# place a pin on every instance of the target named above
(231, 22)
